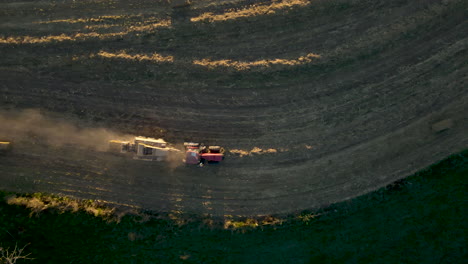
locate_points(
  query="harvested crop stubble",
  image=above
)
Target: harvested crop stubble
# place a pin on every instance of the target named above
(82, 20)
(251, 11)
(244, 65)
(57, 38)
(155, 57)
(82, 36)
(97, 19)
(255, 150)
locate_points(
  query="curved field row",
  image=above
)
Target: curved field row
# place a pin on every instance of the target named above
(352, 121)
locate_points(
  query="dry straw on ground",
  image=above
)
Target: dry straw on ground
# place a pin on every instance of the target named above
(255, 150)
(11, 256)
(83, 36)
(254, 10)
(155, 57)
(58, 38)
(245, 65)
(83, 20)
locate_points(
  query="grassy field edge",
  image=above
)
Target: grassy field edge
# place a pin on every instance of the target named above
(420, 219)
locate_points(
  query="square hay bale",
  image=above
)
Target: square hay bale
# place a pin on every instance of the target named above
(442, 125)
(180, 3)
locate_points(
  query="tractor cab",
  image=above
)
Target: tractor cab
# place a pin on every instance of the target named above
(192, 153)
(196, 153)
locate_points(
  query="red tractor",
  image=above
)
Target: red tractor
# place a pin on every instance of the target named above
(196, 153)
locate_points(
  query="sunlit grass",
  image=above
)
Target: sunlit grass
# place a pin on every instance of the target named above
(155, 57)
(254, 10)
(248, 223)
(251, 222)
(39, 203)
(246, 65)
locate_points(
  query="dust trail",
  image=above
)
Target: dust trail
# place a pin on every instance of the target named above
(174, 160)
(33, 127)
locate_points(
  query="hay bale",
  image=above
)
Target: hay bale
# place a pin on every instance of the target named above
(180, 3)
(442, 125)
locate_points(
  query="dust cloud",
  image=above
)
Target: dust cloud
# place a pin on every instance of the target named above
(174, 159)
(31, 126)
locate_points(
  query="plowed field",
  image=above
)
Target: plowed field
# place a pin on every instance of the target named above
(341, 96)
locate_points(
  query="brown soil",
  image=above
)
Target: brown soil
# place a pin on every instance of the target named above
(356, 117)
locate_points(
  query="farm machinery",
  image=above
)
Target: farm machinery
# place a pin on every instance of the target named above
(145, 148)
(196, 153)
(153, 149)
